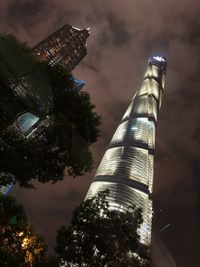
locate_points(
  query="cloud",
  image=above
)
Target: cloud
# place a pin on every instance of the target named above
(21, 11)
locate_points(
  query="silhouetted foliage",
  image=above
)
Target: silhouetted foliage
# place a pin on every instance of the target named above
(43, 160)
(20, 245)
(76, 107)
(99, 236)
(45, 91)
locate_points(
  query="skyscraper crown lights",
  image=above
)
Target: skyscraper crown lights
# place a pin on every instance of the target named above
(158, 58)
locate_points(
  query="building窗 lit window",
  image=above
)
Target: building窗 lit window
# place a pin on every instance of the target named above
(26, 121)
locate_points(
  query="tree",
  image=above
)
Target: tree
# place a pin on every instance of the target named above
(49, 91)
(76, 107)
(20, 246)
(101, 237)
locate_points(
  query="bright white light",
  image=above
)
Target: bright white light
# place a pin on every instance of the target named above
(88, 29)
(76, 28)
(20, 234)
(134, 128)
(160, 59)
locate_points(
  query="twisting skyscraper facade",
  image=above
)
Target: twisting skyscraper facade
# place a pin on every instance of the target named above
(128, 164)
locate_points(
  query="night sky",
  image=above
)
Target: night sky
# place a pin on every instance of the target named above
(124, 33)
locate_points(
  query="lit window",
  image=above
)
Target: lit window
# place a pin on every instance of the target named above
(120, 133)
(26, 121)
(110, 161)
(149, 86)
(142, 131)
(163, 81)
(152, 71)
(155, 71)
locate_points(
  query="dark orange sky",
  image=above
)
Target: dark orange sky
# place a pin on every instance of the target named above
(124, 33)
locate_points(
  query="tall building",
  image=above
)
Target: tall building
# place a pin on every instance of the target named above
(128, 164)
(78, 84)
(67, 46)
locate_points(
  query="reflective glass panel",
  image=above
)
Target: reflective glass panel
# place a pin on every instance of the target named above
(26, 121)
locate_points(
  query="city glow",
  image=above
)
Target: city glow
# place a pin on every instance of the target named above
(25, 242)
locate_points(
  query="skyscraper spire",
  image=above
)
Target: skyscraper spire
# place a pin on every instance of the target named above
(127, 166)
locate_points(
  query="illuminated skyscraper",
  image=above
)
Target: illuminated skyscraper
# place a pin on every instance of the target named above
(128, 164)
(67, 46)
